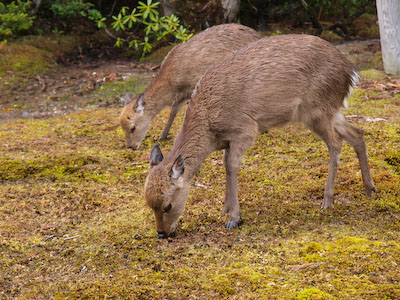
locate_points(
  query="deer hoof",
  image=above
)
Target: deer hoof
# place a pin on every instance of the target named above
(370, 192)
(233, 224)
(326, 203)
(163, 137)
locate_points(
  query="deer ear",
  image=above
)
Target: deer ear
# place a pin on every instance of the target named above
(178, 168)
(156, 156)
(127, 99)
(140, 104)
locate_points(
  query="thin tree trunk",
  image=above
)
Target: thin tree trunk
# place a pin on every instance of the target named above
(231, 10)
(36, 8)
(389, 29)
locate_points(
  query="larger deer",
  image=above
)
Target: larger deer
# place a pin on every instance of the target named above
(179, 72)
(270, 83)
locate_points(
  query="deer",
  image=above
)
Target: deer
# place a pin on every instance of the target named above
(270, 83)
(180, 70)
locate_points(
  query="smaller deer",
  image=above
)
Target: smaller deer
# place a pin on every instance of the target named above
(179, 72)
(270, 83)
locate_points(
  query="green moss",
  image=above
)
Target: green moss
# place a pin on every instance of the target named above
(331, 36)
(313, 294)
(312, 247)
(393, 159)
(372, 74)
(67, 167)
(159, 55)
(366, 26)
(114, 89)
(24, 59)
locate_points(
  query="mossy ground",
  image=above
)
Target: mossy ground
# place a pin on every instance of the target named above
(73, 223)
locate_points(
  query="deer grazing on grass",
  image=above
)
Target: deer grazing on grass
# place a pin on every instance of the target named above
(269, 83)
(177, 77)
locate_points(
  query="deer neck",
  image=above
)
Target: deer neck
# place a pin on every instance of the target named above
(158, 96)
(194, 141)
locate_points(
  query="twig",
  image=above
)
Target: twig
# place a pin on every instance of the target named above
(72, 237)
(206, 6)
(112, 8)
(50, 237)
(42, 82)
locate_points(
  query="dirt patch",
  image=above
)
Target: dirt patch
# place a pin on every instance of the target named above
(73, 87)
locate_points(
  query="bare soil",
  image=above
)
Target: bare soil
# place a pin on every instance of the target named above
(69, 88)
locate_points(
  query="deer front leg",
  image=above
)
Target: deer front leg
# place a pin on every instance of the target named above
(176, 106)
(334, 152)
(231, 204)
(233, 157)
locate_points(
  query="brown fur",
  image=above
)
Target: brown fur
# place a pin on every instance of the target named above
(270, 83)
(179, 72)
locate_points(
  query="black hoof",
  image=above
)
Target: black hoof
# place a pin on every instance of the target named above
(161, 235)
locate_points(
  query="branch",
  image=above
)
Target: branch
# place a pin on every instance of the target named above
(312, 15)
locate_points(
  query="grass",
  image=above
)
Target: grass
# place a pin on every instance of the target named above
(73, 223)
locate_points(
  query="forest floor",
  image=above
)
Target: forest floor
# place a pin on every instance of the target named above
(73, 223)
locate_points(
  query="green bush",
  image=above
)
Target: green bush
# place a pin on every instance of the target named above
(146, 17)
(14, 18)
(70, 9)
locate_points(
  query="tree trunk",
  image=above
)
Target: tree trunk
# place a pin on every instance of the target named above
(36, 8)
(389, 29)
(231, 10)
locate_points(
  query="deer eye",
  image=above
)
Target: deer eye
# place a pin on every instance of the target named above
(133, 129)
(167, 208)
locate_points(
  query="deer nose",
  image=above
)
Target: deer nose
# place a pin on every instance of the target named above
(133, 147)
(161, 235)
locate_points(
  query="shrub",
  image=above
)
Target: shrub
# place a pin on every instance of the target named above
(146, 17)
(70, 9)
(14, 18)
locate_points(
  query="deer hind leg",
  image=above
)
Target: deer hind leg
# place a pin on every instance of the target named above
(324, 128)
(176, 106)
(233, 157)
(355, 137)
